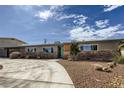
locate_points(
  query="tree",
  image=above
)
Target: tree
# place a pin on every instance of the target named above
(74, 50)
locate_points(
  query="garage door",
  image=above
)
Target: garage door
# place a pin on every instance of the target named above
(2, 52)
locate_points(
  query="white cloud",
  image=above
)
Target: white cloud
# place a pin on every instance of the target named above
(108, 8)
(56, 7)
(77, 19)
(56, 13)
(89, 33)
(102, 23)
(80, 20)
(44, 15)
(64, 16)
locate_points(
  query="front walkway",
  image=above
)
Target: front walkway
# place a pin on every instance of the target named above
(33, 73)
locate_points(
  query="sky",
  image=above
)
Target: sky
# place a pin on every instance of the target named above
(35, 24)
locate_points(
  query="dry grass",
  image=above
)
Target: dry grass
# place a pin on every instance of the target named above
(84, 75)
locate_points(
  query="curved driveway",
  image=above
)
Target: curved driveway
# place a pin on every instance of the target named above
(33, 73)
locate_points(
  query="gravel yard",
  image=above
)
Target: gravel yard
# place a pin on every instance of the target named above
(84, 75)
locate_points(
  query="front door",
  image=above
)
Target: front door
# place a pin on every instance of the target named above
(60, 51)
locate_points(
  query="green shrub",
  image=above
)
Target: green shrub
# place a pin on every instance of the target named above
(74, 51)
(119, 59)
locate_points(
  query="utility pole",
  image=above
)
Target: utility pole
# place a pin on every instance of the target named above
(45, 41)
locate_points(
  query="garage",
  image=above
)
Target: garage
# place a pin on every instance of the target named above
(2, 52)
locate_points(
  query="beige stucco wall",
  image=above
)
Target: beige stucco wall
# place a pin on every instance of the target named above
(107, 45)
(104, 45)
(40, 49)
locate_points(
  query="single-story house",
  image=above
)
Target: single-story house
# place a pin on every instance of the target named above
(62, 50)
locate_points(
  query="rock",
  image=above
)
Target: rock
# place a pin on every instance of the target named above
(98, 67)
(107, 69)
(115, 63)
(112, 64)
(101, 68)
(1, 67)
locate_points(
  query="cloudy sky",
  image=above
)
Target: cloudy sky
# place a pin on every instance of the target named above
(33, 24)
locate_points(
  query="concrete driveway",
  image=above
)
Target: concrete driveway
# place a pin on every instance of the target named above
(29, 73)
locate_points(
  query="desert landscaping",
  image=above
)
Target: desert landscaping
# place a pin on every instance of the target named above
(84, 74)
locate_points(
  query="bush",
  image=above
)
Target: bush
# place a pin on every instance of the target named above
(31, 55)
(15, 55)
(96, 55)
(119, 59)
(39, 55)
(73, 57)
(47, 55)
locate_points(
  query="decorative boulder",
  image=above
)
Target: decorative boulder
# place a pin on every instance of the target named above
(107, 69)
(15, 55)
(98, 67)
(112, 64)
(102, 68)
(1, 67)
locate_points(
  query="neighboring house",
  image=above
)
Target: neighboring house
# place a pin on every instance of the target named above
(8, 44)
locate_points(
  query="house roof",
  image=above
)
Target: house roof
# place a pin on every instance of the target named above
(7, 38)
(105, 40)
(26, 45)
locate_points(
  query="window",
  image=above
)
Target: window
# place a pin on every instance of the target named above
(34, 49)
(31, 50)
(88, 47)
(48, 50)
(51, 50)
(94, 47)
(28, 50)
(81, 48)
